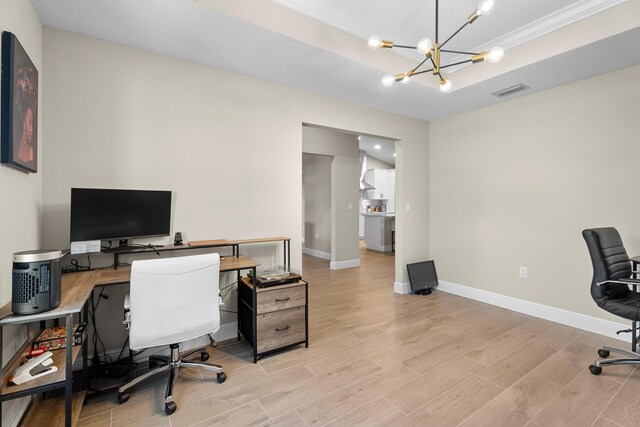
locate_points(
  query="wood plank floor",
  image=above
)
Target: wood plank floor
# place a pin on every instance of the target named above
(379, 358)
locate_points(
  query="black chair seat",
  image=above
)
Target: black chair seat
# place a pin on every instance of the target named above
(627, 306)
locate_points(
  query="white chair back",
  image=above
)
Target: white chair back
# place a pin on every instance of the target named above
(173, 300)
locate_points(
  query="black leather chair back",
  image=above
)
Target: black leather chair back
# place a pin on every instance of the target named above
(610, 262)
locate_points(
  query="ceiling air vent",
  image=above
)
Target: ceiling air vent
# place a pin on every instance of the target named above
(510, 90)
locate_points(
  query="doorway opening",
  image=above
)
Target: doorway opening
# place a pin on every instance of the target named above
(348, 195)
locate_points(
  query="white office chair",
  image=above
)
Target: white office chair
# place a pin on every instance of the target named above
(172, 300)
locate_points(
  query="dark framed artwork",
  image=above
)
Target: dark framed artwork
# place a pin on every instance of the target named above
(18, 107)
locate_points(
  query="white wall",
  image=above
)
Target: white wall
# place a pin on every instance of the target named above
(373, 163)
(20, 215)
(228, 146)
(316, 181)
(514, 184)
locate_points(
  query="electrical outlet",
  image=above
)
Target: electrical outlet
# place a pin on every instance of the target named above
(350, 206)
(407, 206)
(317, 236)
(524, 272)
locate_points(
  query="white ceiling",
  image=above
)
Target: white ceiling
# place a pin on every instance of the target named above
(320, 45)
(387, 148)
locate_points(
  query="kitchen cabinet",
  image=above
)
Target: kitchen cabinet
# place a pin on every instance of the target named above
(384, 181)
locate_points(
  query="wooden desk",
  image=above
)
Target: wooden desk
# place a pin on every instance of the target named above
(77, 288)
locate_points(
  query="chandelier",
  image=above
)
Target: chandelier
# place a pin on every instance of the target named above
(432, 51)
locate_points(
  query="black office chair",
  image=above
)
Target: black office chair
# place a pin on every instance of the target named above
(610, 289)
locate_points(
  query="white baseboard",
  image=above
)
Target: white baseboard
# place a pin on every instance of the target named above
(317, 254)
(558, 315)
(401, 288)
(226, 332)
(340, 265)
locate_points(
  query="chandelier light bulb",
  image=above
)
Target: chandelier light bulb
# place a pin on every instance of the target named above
(485, 7)
(424, 45)
(388, 80)
(495, 54)
(374, 42)
(406, 80)
(445, 85)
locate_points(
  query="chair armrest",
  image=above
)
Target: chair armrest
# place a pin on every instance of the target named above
(620, 282)
(127, 312)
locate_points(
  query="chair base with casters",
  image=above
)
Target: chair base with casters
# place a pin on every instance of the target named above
(159, 364)
(633, 359)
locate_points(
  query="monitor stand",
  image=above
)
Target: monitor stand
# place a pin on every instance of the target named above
(123, 245)
(424, 292)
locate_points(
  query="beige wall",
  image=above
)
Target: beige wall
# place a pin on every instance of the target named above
(344, 190)
(514, 185)
(228, 146)
(20, 215)
(316, 181)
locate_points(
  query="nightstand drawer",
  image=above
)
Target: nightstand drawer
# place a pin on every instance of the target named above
(280, 328)
(281, 299)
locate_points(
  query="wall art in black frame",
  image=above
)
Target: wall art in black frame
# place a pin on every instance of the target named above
(18, 107)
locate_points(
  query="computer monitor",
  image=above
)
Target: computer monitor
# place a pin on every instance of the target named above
(422, 276)
(107, 214)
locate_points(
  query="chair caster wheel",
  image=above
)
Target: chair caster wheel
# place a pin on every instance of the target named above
(170, 408)
(204, 356)
(603, 353)
(221, 377)
(595, 370)
(123, 397)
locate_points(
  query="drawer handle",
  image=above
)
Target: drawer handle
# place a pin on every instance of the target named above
(282, 329)
(283, 299)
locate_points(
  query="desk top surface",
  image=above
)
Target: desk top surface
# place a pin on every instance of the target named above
(77, 287)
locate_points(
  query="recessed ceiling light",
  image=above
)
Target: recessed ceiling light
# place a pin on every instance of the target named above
(359, 138)
(394, 154)
(377, 146)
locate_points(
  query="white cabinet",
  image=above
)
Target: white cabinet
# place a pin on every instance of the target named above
(391, 188)
(384, 181)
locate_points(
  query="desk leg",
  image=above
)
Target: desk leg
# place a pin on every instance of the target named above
(85, 347)
(239, 281)
(255, 316)
(306, 316)
(68, 390)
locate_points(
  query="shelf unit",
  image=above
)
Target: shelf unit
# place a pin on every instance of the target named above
(203, 244)
(76, 290)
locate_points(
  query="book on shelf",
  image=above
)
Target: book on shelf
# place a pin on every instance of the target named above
(56, 337)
